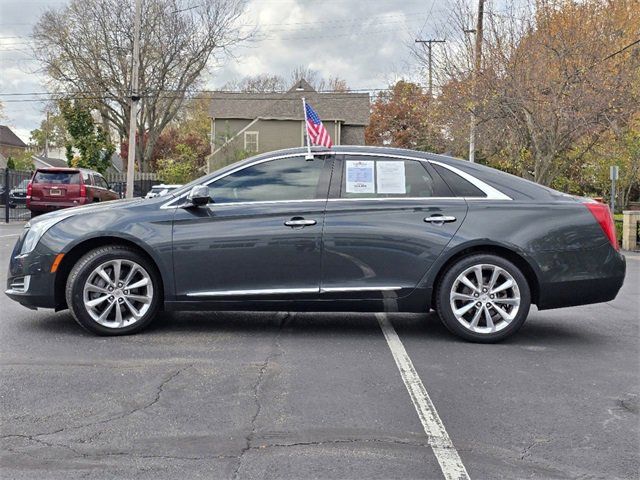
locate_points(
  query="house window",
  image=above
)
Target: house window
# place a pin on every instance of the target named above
(251, 141)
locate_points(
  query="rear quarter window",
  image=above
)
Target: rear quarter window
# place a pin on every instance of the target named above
(57, 178)
(458, 185)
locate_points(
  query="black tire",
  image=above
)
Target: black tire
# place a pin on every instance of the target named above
(455, 326)
(80, 274)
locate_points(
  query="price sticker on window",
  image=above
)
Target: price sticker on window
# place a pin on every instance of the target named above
(360, 176)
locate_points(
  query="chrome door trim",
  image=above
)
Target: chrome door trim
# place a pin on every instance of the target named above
(266, 291)
(284, 291)
(357, 289)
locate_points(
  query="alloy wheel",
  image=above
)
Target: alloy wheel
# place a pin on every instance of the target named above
(118, 293)
(485, 298)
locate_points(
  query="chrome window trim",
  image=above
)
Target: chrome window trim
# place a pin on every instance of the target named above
(281, 291)
(490, 192)
(266, 202)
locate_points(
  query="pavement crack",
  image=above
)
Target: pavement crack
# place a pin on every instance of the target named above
(156, 398)
(339, 442)
(527, 451)
(275, 351)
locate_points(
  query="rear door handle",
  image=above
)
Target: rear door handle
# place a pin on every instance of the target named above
(440, 219)
(299, 222)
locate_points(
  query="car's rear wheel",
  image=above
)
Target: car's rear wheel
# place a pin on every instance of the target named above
(113, 291)
(483, 298)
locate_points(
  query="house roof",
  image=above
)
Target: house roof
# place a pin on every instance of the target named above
(7, 137)
(49, 161)
(350, 108)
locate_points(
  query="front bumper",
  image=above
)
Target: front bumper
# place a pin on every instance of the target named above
(29, 280)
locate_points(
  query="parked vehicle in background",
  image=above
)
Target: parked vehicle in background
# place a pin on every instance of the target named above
(160, 190)
(352, 229)
(56, 188)
(18, 195)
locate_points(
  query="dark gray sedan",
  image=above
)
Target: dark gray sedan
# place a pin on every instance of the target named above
(351, 229)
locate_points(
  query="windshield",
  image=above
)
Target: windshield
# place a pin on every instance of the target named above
(59, 178)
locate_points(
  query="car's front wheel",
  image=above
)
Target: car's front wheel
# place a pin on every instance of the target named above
(113, 290)
(483, 298)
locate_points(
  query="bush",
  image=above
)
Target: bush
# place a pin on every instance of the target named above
(180, 169)
(617, 220)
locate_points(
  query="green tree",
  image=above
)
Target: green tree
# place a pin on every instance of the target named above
(90, 140)
(22, 162)
(181, 167)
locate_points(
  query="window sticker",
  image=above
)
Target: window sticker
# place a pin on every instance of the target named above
(390, 177)
(360, 176)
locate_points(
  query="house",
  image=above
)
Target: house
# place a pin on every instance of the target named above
(10, 143)
(246, 123)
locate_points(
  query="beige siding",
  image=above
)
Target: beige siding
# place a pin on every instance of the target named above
(272, 135)
(352, 135)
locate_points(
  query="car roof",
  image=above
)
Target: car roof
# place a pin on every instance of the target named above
(66, 169)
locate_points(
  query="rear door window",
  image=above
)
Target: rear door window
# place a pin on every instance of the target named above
(57, 178)
(382, 177)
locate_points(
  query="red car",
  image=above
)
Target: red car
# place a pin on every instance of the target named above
(56, 188)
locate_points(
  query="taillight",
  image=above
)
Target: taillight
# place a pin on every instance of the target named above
(29, 189)
(83, 190)
(602, 214)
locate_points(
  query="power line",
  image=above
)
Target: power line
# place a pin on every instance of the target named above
(617, 52)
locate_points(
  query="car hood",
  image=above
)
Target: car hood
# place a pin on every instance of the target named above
(90, 209)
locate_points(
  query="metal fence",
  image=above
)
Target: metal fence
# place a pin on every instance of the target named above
(13, 194)
(142, 183)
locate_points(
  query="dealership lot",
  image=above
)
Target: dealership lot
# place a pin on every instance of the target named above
(299, 395)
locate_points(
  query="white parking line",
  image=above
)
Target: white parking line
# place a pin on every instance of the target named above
(12, 235)
(448, 458)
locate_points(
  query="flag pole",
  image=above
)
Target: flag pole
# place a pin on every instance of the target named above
(309, 155)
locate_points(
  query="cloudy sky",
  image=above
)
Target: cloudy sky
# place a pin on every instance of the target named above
(364, 42)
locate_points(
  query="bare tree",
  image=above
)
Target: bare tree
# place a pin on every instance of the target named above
(262, 83)
(85, 48)
(546, 87)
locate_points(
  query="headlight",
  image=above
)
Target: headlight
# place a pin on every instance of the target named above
(35, 232)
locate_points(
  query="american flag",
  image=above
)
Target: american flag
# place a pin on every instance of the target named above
(318, 135)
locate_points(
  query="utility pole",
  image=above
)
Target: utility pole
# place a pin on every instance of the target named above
(429, 43)
(135, 97)
(476, 72)
(46, 137)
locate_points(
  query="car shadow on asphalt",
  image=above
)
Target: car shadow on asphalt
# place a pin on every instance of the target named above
(427, 327)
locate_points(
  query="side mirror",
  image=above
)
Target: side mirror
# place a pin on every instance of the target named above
(199, 195)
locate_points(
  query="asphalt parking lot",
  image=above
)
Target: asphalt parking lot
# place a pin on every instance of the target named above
(301, 396)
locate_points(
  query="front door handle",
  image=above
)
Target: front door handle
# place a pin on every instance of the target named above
(299, 222)
(439, 219)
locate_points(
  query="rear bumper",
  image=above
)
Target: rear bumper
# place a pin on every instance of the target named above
(581, 277)
(49, 206)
